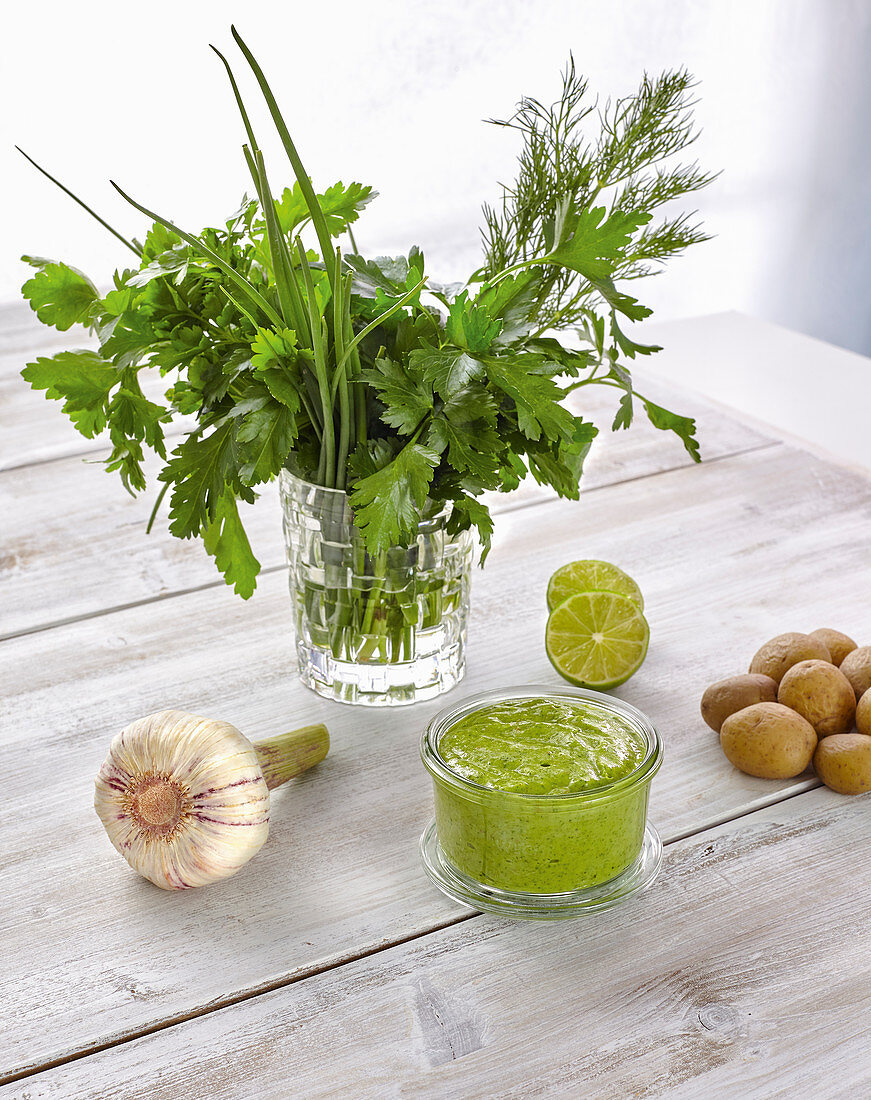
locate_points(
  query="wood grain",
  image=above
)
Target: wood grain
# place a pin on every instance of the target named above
(715, 982)
(727, 555)
(33, 429)
(74, 541)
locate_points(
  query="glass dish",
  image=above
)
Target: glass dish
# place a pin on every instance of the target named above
(541, 856)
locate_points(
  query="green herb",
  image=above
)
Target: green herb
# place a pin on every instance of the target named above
(358, 373)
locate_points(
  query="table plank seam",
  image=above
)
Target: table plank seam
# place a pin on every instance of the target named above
(83, 453)
(171, 435)
(229, 1002)
(52, 624)
(219, 1004)
(767, 446)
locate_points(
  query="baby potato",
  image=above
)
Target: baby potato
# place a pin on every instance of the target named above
(863, 714)
(779, 654)
(843, 762)
(856, 666)
(838, 644)
(768, 740)
(820, 693)
(735, 693)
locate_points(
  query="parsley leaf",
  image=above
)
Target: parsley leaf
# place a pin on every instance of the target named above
(341, 206)
(60, 295)
(448, 369)
(629, 347)
(468, 512)
(682, 426)
(513, 300)
(270, 347)
(536, 397)
(624, 414)
(387, 503)
(197, 471)
(264, 438)
(225, 539)
(598, 240)
(406, 397)
(82, 380)
(470, 326)
(464, 429)
(617, 300)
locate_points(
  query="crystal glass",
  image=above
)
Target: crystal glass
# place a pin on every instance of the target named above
(382, 630)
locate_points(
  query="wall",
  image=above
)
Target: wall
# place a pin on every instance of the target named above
(392, 94)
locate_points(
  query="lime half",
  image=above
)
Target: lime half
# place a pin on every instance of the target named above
(597, 639)
(591, 576)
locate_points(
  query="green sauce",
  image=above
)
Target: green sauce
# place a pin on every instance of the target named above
(541, 818)
(541, 746)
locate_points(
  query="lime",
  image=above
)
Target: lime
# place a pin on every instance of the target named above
(597, 639)
(591, 576)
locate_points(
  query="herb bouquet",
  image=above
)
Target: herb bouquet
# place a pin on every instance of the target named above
(387, 403)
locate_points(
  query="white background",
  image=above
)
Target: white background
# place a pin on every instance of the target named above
(393, 94)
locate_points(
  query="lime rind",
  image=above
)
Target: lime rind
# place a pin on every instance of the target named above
(591, 575)
(597, 639)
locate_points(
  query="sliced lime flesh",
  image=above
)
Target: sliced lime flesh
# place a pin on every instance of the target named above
(591, 575)
(597, 639)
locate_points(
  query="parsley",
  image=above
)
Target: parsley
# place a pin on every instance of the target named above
(360, 373)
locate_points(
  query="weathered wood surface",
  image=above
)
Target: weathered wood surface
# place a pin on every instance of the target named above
(74, 542)
(727, 554)
(762, 371)
(742, 972)
(33, 429)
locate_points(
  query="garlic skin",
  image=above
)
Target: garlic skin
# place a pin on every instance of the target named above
(183, 799)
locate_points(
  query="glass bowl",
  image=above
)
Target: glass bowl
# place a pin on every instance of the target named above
(541, 856)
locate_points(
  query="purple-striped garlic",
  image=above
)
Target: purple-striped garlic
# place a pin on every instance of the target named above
(185, 799)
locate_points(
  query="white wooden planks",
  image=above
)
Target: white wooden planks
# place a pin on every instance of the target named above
(711, 547)
(793, 383)
(33, 429)
(73, 542)
(742, 972)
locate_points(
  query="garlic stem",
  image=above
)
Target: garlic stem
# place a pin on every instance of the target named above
(288, 754)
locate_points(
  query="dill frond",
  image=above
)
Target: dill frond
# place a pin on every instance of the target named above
(577, 155)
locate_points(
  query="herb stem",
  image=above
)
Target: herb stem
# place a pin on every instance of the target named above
(327, 464)
(317, 215)
(288, 291)
(339, 310)
(373, 325)
(84, 205)
(204, 249)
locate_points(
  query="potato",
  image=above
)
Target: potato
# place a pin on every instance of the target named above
(820, 693)
(843, 762)
(735, 693)
(768, 740)
(863, 714)
(786, 650)
(856, 666)
(838, 644)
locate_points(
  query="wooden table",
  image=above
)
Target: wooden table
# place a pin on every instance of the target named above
(330, 966)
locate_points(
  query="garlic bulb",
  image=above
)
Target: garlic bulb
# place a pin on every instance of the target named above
(185, 799)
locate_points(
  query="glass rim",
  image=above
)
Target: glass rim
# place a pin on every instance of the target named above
(287, 476)
(449, 715)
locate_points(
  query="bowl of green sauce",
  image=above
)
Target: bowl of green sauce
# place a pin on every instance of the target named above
(541, 801)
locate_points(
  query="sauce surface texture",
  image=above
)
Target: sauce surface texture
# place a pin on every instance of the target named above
(541, 746)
